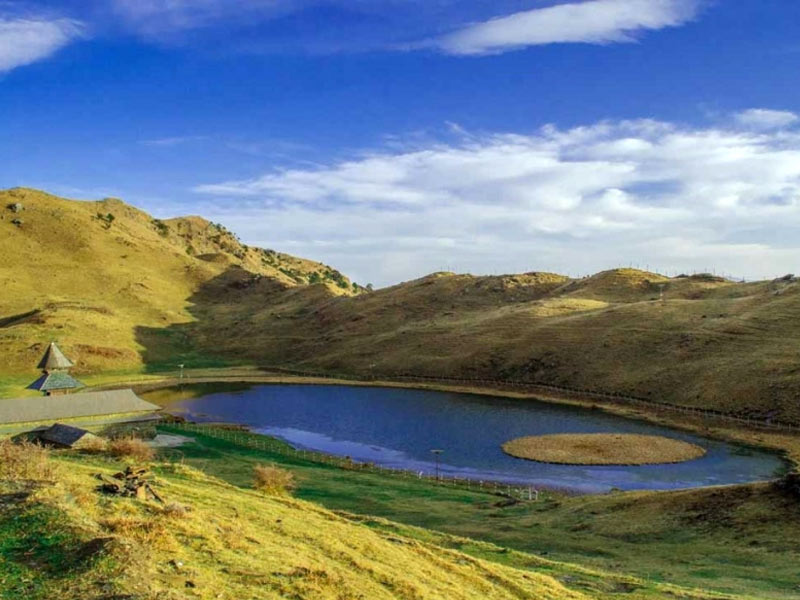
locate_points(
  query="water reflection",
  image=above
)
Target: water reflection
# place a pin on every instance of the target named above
(398, 428)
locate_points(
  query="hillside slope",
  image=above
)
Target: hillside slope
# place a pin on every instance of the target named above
(92, 275)
(709, 343)
(212, 540)
(135, 294)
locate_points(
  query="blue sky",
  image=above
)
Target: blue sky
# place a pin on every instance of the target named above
(392, 138)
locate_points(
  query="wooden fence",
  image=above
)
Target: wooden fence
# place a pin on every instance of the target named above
(241, 437)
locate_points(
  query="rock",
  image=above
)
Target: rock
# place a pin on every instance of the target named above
(16, 207)
(133, 482)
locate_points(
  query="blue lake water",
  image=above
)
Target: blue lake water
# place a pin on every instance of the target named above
(398, 428)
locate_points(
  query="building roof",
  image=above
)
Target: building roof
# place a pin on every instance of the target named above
(73, 406)
(54, 359)
(55, 381)
(63, 435)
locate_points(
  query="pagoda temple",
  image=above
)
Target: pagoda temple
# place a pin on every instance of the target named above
(55, 379)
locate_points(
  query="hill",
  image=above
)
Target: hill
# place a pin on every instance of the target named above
(708, 343)
(733, 539)
(93, 274)
(131, 294)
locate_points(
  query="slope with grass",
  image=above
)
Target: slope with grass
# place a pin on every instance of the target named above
(737, 540)
(107, 281)
(710, 343)
(62, 538)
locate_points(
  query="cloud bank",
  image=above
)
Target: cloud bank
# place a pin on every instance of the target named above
(577, 200)
(592, 22)
(764, 119)
(25, 41)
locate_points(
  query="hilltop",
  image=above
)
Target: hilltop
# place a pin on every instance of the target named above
(124, 292)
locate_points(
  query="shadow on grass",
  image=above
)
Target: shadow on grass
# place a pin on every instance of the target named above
(38, 550)
(221, 334)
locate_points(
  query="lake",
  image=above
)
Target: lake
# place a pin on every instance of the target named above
(398, 428)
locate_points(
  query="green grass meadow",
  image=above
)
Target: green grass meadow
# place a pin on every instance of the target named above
(737, 540)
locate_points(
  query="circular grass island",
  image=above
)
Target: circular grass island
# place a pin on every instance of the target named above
(610, 449)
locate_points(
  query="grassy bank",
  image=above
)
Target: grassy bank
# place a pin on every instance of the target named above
(738, 540)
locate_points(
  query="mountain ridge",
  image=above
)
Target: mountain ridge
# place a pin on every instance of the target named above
(132, 294)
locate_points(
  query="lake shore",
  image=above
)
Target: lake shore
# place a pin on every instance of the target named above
(785, 443)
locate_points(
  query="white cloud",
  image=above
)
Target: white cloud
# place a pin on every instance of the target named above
(763, 119)
(575, 200)
(592, 22)
(27, 40)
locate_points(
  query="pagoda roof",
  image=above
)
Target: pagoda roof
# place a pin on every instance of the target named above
(54, 359)
(55, 381)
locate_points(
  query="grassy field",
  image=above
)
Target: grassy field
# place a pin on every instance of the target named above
(738, 540)
(602, 449)
(60, 538)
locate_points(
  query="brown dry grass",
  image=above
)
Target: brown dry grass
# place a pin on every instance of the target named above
(273, 480)
(603, 449)
(108, 286)
(131, 447)
(94, 445)
(25, 461)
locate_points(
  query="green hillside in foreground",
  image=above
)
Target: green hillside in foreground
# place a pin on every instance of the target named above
(60, 537)
(732, 539)
(135, 294)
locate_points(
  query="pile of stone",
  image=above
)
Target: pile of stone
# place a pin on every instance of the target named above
(133, 482)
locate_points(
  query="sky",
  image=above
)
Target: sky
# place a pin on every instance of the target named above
(395, 138)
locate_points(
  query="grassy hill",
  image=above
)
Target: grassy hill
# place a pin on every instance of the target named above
(709, 343)
(135, 294)
(61, 538)
(209, 539)
(96, 275)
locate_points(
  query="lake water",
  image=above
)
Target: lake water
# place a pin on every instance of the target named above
(398, 428)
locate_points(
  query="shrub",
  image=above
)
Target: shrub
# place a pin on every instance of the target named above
(94, 445)
(271, 479)
(131, 447)
(161, 227)
(25, 461)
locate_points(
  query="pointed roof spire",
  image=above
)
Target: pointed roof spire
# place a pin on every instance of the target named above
(54, 359)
